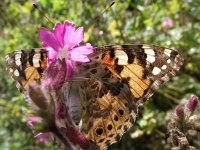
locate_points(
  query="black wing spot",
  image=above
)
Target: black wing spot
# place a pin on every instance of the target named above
(125, 128)
(109, 127)
(40, 71)
(119, 68)
(119, 127)
(131, 58)
(116, 118)
(41, 55)
(23, 59)
(99, 131)
(121, 112)
(100, 141)
(112, 53)
(31, 54)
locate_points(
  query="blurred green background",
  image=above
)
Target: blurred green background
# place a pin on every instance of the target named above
(172, 23)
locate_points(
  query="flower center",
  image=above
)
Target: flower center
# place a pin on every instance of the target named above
(63, 52)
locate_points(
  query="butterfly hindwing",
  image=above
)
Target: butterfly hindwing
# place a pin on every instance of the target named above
(108, 110)
(26, 66)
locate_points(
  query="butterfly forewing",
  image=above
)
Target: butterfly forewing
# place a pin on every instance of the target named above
(26, 66)
(144, 67)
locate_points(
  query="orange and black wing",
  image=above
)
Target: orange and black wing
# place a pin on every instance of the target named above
(26, 66)
(143, 67)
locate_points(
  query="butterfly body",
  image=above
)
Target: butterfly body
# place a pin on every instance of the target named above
(120, 78)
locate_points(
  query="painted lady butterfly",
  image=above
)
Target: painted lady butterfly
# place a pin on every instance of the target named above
(120, 78)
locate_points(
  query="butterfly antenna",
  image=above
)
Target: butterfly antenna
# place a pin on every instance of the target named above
(108, 7)
(105, 10)
(42, 13)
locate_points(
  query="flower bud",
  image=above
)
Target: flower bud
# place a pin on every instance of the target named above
(192, 103)
(179, 112)
(55, 74)
(76, 137)
(36, 94)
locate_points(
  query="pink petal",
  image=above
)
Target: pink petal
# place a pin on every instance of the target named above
(79, 54)
(52, 54)
(73, 37)
(69, 32)
(34, 119)
(77, 37)
(68, 23)
(84, 49)
(76, 56)
(48, 39)
(43, 137)
(59, 31)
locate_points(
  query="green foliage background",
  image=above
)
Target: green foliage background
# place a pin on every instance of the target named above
(128, 21)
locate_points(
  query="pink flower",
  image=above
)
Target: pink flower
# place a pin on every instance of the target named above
(63, 42)
(43, 137)
(167, 22)
(32, 120)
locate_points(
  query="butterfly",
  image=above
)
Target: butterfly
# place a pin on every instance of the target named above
(120, 77)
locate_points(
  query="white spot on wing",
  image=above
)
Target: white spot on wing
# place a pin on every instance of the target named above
(145, 46)
(164, 67)
(150, 58)
(16, 73)
(167, 52)
(165, 78)
(36, 61)
(168, 61)
(156, 71)
(149, 51)
(17, 59)
(122, 57)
